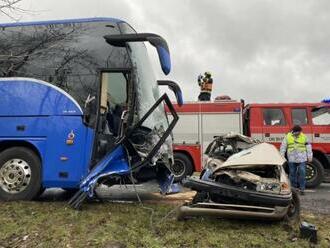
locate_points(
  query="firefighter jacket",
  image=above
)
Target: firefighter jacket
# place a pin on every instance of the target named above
(298, 149)
(206, 84)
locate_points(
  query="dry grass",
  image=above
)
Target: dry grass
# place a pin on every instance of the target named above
(53, 224)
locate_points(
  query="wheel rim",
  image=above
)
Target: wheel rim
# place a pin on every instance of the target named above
(310, 172)
(15, 176)
(178, 168)
(292, 208)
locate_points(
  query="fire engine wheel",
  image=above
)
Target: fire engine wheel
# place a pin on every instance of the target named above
(182, 167)
(314, 173)
(20, 174)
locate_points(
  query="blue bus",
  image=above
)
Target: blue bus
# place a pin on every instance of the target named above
(80, 106)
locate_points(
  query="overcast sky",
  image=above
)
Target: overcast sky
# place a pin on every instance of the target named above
(257, 50)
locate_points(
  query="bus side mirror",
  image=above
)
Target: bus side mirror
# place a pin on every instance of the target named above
(175, 88)
(155, 40)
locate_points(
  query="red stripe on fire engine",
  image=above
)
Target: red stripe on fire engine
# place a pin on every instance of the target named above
(277, 137)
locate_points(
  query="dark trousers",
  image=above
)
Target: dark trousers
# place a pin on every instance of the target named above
(204, 96)
(297, 173)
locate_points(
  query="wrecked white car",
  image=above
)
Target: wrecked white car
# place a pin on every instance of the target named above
(242, 179)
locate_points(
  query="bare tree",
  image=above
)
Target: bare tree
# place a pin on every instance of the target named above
(10, 8)
(63, 55)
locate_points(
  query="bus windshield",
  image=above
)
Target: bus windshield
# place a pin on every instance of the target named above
(147, 92)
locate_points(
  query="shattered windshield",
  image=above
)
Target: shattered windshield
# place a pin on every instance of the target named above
(147, 93)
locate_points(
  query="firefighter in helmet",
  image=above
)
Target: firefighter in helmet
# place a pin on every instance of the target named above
(205, 83)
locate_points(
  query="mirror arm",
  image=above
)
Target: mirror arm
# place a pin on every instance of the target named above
(174, 87)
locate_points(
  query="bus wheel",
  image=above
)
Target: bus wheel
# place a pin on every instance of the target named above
(314, 173)
(182, 167)
(20, 174)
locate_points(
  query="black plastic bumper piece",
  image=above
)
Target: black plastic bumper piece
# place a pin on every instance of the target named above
(235, 193)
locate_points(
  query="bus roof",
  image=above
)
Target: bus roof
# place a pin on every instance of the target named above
(82, 20)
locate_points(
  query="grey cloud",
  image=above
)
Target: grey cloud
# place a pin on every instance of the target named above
(259, 50)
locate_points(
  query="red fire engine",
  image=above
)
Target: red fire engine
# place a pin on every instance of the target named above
(201, 121)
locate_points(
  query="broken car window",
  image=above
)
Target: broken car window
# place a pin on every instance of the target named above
(273, 117)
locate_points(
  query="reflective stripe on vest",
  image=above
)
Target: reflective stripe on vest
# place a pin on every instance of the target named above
(298, 143)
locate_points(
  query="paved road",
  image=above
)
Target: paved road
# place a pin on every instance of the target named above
(315, 200)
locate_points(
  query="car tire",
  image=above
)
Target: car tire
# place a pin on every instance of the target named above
(293, 213)
(318, 173)
(20, 174)
(182, 167)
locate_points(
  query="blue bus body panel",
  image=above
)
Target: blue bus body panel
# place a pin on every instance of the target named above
(29, 97)
(66, 164)
(114, 163)
(48, 118)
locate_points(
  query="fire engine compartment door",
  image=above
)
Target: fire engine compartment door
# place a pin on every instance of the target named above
(219, 124)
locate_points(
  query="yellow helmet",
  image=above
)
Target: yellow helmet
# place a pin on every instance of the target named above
(207, 74)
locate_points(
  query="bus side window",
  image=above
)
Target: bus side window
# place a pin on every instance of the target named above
(113, 98)
(273, 117)
(299, 116)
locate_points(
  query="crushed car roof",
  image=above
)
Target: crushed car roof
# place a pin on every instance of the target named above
(237, 137)
(259, 154)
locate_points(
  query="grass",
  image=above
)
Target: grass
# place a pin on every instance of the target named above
(53, 224)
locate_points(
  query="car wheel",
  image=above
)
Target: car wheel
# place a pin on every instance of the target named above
(182, 167)
(20, 174)
(314, 173)
(294, 208)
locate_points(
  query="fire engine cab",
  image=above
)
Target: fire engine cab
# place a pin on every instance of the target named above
(200, 121)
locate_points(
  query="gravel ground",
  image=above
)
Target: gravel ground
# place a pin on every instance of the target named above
(317, 200)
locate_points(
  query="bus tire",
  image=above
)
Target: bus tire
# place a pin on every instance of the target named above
(20, 174)
(182, 166)
(314, 173)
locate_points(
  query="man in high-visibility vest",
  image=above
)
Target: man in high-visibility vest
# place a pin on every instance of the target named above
(205, 83)
(299, 151)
